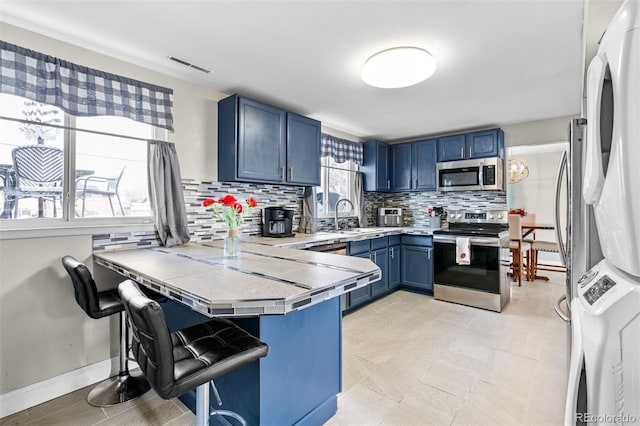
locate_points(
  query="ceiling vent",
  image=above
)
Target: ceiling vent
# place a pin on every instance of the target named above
(189, 64)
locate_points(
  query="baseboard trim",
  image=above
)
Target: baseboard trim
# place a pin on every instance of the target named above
(37, 393)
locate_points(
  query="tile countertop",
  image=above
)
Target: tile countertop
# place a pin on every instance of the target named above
(302, 241)
(263, 280)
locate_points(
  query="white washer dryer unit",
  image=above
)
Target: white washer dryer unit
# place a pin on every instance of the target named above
(606, 320)
(611, 180)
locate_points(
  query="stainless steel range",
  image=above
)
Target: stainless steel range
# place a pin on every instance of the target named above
(476, 276)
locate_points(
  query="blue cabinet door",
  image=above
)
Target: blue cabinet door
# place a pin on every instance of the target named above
(417, 267)
(361, 295)
(303, 150)
(488, 143)
(358, 247)
(451, 148)
(401, 167)
(424, 165)
(261, 153)
(394, 267)
(381, 258)
(375, 169)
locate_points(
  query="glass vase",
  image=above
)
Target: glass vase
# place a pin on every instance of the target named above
(232, 244)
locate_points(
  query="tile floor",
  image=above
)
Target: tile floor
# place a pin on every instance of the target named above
(410, 360)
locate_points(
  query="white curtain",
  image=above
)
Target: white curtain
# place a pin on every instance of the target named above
(165, 193)
(309, 213)
(358, 192)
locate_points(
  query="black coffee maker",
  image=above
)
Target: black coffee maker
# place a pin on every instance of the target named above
(277, 222)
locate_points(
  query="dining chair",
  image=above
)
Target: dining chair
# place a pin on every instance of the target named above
(38, 171)
(519, 249)
(100, 185)
(544, 246)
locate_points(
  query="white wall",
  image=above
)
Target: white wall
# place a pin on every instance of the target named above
(536, 194)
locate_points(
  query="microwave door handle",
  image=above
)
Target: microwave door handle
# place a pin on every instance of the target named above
(480, 177)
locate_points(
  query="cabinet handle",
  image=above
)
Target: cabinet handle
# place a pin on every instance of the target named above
(392, 252)
(388, 184)
(282, 174)
(429, 255)
(462, 152)
(290, 173)
(416, 184)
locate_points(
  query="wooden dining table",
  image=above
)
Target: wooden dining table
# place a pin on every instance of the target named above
(528, 228)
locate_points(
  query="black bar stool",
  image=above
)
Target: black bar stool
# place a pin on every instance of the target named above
(177, 362)
(123, 387)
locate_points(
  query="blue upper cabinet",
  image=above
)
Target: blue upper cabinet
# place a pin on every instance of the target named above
(488, 143)
(255, 144)
(483, 144)
(303, 150)
(375, 170)
(401, 167)
(451, 148)
(424, 165)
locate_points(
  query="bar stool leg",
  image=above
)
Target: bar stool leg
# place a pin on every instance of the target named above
(123, 387)
(202, 405)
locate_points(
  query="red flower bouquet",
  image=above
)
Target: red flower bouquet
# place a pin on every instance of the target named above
(230, 210)
(521, 212)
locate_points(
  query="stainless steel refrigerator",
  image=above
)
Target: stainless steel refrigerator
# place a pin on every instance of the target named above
(577, 234)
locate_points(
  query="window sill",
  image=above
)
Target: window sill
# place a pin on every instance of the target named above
(15, 231)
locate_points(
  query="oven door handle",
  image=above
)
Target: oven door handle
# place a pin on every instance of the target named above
(475, 241)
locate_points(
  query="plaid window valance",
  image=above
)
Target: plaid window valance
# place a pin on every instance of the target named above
(341, 150)
(82, 91)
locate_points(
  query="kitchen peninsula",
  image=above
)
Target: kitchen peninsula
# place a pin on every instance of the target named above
(288, 298)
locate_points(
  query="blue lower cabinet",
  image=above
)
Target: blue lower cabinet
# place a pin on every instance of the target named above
(297, 382)
(394, 267)
(361, 295)
(381, 258)
(417, 268)
(355, 248)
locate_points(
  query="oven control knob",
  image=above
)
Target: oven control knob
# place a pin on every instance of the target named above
(491, 216)
(459, 215)
(499, 216)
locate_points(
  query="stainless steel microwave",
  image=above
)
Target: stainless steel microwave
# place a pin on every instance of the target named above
(482, 174)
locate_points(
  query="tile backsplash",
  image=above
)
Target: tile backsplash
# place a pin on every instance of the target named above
(415, 204)
(203, 227)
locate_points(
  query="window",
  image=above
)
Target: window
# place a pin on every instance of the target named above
(105, 176)
(112, 165)
(337, 183)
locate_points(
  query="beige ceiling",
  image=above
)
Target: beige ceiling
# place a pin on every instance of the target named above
(499, 62)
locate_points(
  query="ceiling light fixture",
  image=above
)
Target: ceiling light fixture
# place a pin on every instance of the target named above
(518, 169)
(398, 67)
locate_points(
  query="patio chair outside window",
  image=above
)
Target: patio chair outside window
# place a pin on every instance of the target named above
(100, 185)
(38, 173)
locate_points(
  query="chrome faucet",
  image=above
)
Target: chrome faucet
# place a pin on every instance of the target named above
(336, 210)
